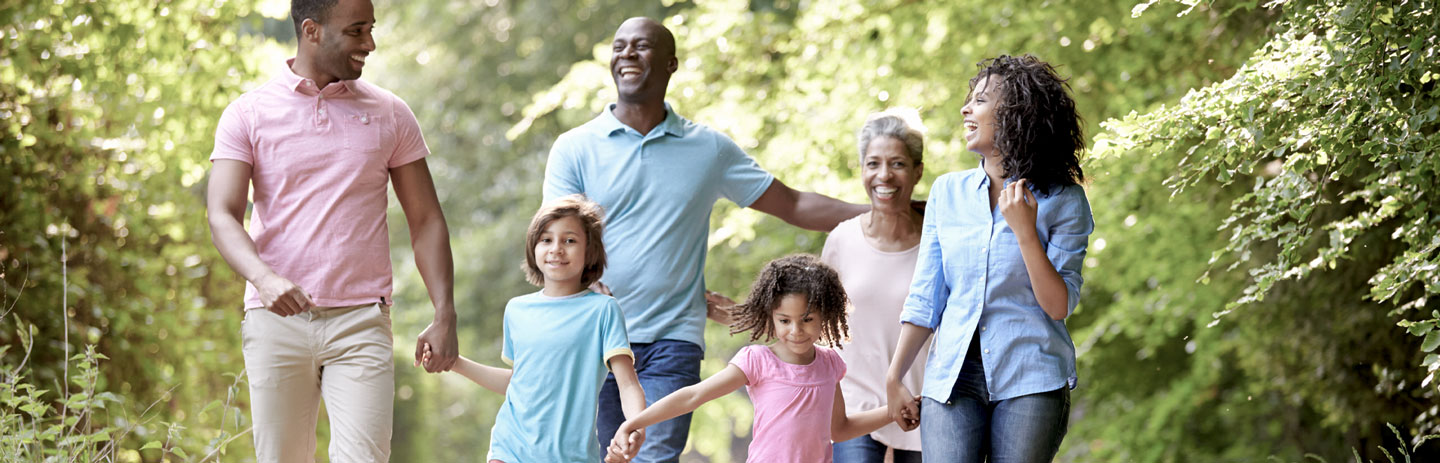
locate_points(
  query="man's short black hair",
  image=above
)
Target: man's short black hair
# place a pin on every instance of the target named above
(314, 10)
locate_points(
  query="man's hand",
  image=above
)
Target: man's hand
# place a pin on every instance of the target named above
(717, 307)
(281, 296)
(436, 348)
(599, 288)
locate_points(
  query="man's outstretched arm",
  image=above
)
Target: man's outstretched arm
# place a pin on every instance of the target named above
(811, 211)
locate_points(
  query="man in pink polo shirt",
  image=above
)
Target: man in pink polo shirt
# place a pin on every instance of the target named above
(320, 147)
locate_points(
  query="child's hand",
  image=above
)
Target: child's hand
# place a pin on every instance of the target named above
(425, 357)
(904, 406)
(626, 443)
(909, 416)
(613, 455)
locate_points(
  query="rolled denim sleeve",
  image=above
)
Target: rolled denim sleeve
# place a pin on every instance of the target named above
(1069, 238)
(928, 288)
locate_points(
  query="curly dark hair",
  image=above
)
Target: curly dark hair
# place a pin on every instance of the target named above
(592, 218)
(1039, 132)
(801, 274)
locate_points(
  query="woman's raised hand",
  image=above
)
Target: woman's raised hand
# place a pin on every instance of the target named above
(1019, 207)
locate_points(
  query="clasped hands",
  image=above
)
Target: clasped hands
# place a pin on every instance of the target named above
(625, 444)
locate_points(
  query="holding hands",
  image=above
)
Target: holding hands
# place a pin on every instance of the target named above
(625, 444)
(1018, 206)
(904, 407)
(436, 349)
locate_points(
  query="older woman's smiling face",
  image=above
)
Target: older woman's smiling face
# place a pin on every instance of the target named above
(889, 174)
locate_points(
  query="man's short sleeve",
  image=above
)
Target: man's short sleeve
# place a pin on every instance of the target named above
(562, 174)
(741, 178)
(409, 141)
(232, 135)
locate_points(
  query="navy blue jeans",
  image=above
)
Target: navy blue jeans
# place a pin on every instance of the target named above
(970, 428)
(663, 366)
(865, 449)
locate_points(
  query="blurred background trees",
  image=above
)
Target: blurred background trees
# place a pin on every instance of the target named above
(1256, 285)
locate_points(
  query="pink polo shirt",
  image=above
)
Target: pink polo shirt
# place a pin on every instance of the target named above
(321, 161)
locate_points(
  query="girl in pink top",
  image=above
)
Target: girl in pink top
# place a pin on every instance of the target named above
(794, 384)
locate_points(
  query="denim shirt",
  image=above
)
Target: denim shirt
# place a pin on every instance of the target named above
(971, 279)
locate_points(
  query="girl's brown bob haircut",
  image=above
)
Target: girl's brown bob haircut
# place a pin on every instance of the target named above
(592, 218)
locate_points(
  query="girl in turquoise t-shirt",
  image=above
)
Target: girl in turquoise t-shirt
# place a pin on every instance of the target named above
(559, 341)
(795, 385)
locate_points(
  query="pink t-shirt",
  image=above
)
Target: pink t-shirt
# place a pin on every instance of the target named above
(321, 161)
(793, 404)
(877, 282)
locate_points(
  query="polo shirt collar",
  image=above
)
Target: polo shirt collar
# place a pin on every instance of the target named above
(672, 125)
(294, 82)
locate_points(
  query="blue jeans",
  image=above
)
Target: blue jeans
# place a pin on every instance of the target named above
(970, 428)
(663, 366)
(865, 449)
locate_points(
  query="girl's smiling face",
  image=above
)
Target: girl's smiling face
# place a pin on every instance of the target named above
(796, 329)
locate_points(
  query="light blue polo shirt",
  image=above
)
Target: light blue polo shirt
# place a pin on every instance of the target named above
(657, 190)
(559, 348)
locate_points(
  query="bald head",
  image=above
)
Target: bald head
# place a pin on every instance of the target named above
(664, 40)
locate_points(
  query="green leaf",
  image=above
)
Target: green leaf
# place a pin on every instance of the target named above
(1432, 340)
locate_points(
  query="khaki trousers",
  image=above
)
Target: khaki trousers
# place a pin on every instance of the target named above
(341, 354)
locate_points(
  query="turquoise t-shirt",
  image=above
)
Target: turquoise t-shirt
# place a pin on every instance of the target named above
(657, 190)
(559, 348)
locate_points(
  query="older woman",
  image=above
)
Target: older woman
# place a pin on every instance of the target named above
(999, 270)
(874, 254)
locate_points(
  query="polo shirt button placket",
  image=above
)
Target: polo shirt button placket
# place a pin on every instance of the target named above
(320, 118)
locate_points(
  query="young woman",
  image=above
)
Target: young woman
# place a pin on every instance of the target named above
(1001, 251)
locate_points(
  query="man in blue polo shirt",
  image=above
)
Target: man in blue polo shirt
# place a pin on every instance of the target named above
(658, 176)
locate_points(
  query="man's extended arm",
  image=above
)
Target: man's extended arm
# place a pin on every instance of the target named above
(811, 211)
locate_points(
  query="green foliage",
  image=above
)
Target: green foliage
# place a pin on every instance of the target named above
(106, 112)
(1323, 142)
(80, 425)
